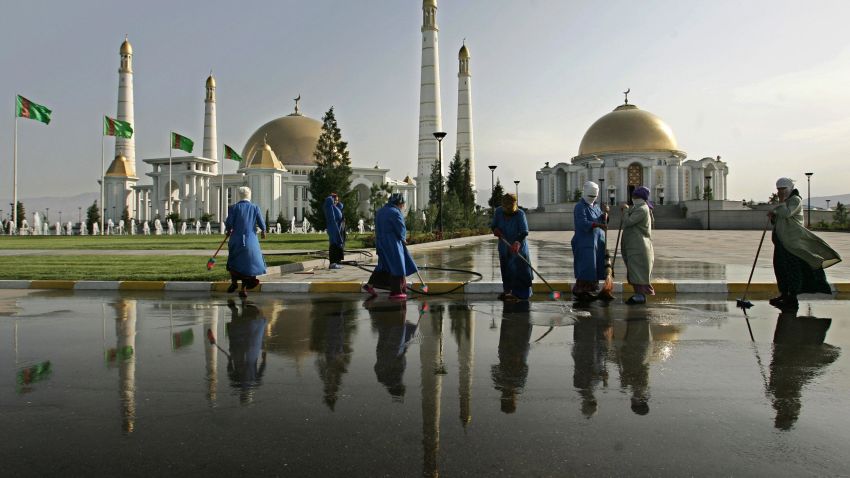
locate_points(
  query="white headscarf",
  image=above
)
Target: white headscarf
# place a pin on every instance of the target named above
(244, 193)
(590, 189)
(785, 183)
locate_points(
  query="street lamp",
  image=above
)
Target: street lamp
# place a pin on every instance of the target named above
(60, 217)
(80, 214)
(440, 135)
(516, 183)
(827, 204)
(809, 215)
(708, 200)
(47, 215)
(492, 185)
(602, 192)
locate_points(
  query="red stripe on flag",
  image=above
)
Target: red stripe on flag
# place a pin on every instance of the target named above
(176, 144)
(111, 126)
(25, 107)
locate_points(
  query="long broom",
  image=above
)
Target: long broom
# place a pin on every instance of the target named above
(211, 261)
(607, 291)
(554, 294)
(743, 303)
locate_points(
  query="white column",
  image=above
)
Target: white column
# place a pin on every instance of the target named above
(465, 143)
(430, 116)
(672, 188)
(126, 146)
(623, 189)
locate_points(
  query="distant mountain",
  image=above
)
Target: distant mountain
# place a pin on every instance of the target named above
(820, 201)
(68, 205)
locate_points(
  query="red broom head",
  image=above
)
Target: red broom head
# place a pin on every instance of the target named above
(424, 288)
(555, 295)
(424, 308)
(210, 337)
(211, 263)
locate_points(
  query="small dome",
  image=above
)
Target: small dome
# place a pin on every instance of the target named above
(126, 48)
(293, 138)
(121, 168)
(463, 53)
(429, 3)
(408, 180)
(264, 158)
(210, 82)
(628, 129)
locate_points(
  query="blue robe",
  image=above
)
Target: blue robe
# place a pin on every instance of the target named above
(516, 274)
(390, 234)
(588, 243)
(244, 254)
(334, 222)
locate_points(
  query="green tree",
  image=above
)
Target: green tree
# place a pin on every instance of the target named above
(434, 184)
(708, 194)
(125, 216)
(268, 224)
(496, 198)
(378, 194)
(773, 199)
(577, 195)
(21, 213)
(92, 215)
(840, 216)
(459, 187)
(332, 174)
(280, 219)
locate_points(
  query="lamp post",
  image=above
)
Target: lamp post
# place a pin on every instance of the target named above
(492, 186)
(602, 192)
(516, 183)
(827, 204)
(708, 200)
(809, 215)
(440, 135)
(80, 214)
(47, 215)
(60, 217)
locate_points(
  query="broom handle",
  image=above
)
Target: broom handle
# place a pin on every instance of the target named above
(226, 235)
(529, 265)
(758, 251)
(617, 245)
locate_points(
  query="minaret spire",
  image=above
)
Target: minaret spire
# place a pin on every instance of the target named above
(430, 116)
(210, 132)
(465, 144)
(126, 146)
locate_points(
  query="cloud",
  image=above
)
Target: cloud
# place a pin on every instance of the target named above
(833, 131)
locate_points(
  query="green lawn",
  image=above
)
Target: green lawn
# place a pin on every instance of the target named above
(211, 242)
(120, 267)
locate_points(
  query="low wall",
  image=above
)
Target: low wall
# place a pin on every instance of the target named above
(748, 218)
(550, 221)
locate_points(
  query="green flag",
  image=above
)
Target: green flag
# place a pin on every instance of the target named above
(181, 142)
(27, 109)
(230, 154)
(114, 127)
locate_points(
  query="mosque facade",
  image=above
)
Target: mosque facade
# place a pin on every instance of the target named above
(624, 149)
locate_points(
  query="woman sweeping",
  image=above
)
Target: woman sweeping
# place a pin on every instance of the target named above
(637, 245)
(588, 243)
(244, 260)
(799, 257)
(394, 261)
(335, 226)
(511, 227)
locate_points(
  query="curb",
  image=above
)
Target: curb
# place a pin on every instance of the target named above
(472, 288)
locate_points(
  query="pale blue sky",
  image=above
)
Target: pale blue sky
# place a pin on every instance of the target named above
(763, 84)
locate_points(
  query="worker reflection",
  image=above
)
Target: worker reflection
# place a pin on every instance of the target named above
(395, 333)
(245, 332)
(632, 354)
(330, 337)
(799, 356)
(591, 342)
(510, 374)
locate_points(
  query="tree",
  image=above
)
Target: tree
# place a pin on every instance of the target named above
(459, 188)
(332, 173)
(577, 195)
(708, 193)
(434, 183)
(378, 194)
(21, 214)
(280, 219)
(840, 216)
(773, 199)
(125, 216)
(496, 198)
(268, 224)
(92, 215)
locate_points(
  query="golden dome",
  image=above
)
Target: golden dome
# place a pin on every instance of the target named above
(429, 3)
(264, 158)
(121, 168)
(463, 53)
(293, 139)
(126, 48)
(627, 129)
(210, 82)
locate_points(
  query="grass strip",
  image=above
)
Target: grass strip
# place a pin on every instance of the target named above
(189, 242)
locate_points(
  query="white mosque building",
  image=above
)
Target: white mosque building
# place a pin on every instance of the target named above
(624, 149)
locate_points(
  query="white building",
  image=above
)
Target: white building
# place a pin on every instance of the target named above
(624, 149)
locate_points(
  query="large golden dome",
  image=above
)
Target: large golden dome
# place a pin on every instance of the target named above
(293, 139)
(628, 129)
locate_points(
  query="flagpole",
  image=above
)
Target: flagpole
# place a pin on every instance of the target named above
(222, 195)
(102, 178)
(15, 174)
(170, 135)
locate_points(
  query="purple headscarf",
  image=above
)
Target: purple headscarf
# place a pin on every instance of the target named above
(642, 192)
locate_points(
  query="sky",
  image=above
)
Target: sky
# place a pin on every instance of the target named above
(763, 84)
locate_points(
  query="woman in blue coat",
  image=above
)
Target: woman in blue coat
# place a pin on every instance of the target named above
(245, 259)
(335, 227)
(394, 260)
(588, 243)
(509, 223)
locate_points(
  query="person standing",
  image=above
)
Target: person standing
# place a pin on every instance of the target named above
(588, 243)
(335, 227)
(511, 227)
(799, 256)
(637, 245)
(394, 260)
(245, 259)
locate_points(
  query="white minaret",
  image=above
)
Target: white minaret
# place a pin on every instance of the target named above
(126, 146)
(465, 146)
(429, 102)
(210, 136)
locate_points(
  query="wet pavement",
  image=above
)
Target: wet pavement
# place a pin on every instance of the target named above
(129, 384)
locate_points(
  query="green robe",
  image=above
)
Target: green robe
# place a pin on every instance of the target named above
(798, 240)
(637, 243)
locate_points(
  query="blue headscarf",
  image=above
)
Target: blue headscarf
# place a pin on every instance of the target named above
(396, 199)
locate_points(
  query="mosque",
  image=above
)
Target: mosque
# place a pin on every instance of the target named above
(624, 149)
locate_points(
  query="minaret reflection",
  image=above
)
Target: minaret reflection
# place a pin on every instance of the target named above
(463, 327)
(125, 356)
(330, 338)
(510, 374)
(799, 356)
(211, 355)
(632, 354)
(395, 333)
(432, 370)
(591, 342)
(245, 333)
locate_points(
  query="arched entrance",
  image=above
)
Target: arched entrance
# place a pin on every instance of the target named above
(635, 178)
